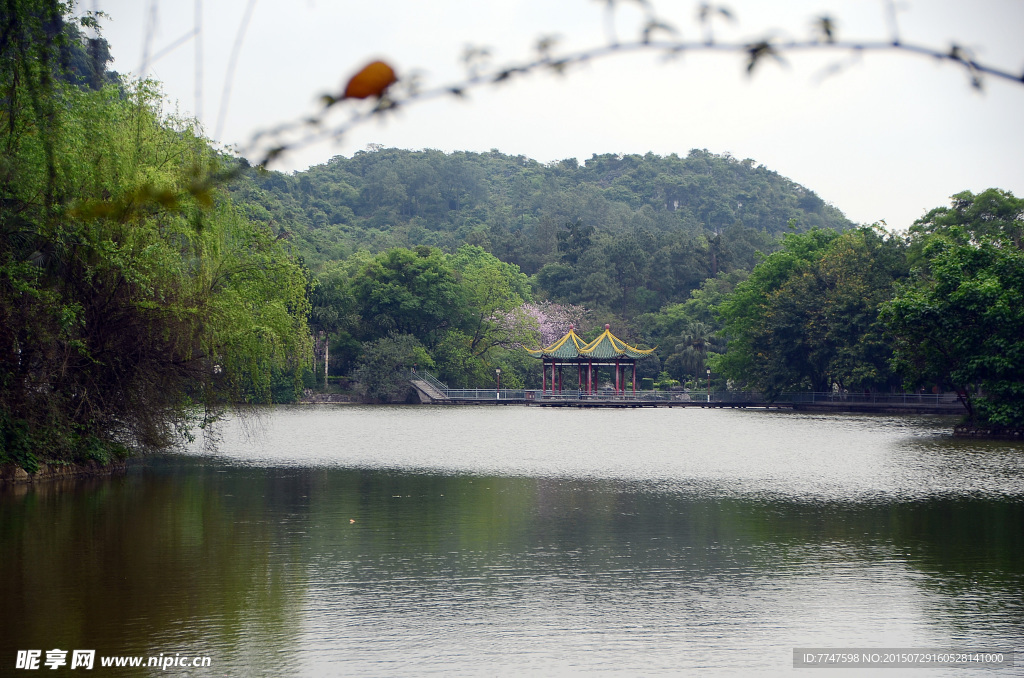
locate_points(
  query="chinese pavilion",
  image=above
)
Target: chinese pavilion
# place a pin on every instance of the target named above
(605, 351)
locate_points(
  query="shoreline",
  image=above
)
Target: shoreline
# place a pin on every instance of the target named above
(12, 474)
(318, 398)
(988, 432)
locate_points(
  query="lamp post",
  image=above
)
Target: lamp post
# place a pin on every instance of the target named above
(709, 385)
(497, 392)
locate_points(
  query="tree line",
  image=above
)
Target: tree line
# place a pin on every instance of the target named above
(937, 309)
(719, 263)
(630, 233)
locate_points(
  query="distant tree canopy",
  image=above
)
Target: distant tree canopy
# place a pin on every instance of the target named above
(445, 248)
(625, 233)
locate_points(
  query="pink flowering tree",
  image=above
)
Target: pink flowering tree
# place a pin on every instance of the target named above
(553, 320)
(539, 324)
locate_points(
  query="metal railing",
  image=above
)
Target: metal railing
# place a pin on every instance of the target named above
(874, 398)
(694, 396)
(538, 395)
(487, 394)
(430, 379)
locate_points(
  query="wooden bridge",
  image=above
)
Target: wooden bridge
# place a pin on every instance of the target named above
(434, 392)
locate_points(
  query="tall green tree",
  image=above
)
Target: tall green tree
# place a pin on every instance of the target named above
(412, 292)
(807, 317)
(491, 290)
(690, 351)
(959, 323)
(334, 316)
(994, 215)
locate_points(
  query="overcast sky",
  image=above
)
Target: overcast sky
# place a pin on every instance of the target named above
(888, 138)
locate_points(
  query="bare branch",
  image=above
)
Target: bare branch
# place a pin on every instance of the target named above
(480, 73)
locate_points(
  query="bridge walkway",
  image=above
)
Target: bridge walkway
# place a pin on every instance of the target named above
(433, 391)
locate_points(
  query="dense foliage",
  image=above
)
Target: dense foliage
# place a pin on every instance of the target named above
(462, 312)
(623, 233)
(959, 323)
(439, 247)
(939, 309)
(807, 317)
(133, 296)
(675, 252)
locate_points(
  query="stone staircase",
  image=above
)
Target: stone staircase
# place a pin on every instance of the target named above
(427, 392)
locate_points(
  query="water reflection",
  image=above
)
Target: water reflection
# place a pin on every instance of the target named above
(149, 563)
(716, 563)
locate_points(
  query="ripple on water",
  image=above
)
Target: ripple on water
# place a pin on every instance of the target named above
(719, 452)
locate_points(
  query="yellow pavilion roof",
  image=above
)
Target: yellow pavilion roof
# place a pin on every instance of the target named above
(605, 346)
(567, 347)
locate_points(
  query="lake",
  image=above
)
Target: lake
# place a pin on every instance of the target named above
(379, 541)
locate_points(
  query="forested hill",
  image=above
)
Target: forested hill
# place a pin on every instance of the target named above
(636, 230)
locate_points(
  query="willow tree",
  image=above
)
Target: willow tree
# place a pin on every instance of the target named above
(133, 298)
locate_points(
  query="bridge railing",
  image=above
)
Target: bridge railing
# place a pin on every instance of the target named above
(430, 379)
(739, 397)
(486, 394)
(875, 398)
(604, 395)
(567, 395)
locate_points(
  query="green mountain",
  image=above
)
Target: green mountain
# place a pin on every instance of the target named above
(626, 233)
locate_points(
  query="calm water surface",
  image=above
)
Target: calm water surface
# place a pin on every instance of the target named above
(507, 541)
